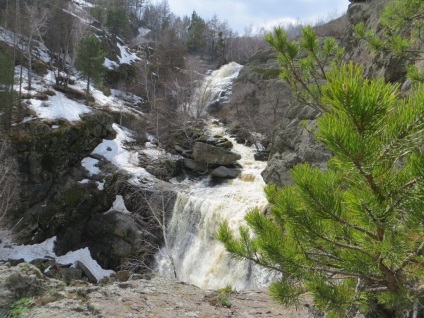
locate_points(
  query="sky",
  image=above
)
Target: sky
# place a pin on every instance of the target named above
(241, 13)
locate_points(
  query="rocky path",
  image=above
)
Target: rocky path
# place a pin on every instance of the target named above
(157, 297)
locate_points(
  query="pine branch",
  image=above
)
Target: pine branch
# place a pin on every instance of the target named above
(418, 251)
(338, 219)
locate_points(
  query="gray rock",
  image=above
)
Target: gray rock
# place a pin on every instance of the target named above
(278, 169)
(66, 274)
(292, 144)
(179, 149)
(224, 173)
(86, 271)
(406, 86)
(262, 155)
(213, 155)
(195, 165)
(23, 280)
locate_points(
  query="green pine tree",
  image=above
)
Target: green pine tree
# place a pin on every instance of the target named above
(89, 60)
(117, 18)
(196, 33)
(352, 235)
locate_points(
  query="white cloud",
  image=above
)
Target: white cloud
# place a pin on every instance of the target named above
(241, 14)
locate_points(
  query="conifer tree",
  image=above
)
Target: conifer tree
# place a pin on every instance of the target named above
(90, 59)
(352, 235)
(196, 33)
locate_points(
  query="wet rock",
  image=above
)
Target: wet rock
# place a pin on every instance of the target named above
(224, 173)
(195, 165)
(213, 155)
(261, 155)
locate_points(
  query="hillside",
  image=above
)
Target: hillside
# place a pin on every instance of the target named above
(117, 178)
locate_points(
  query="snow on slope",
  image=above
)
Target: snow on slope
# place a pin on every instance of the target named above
(83, 3)
(126, 56)
(58, 106)
(46, 249)
(117, 153)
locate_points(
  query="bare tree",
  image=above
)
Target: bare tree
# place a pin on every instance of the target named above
(9, 181)
(35, 26)
(155, 207)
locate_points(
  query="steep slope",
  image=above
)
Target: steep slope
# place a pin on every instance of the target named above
(260, 88)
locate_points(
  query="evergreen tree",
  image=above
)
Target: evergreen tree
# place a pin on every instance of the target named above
(89, 60)
(351, 235)
(196, 36)
(117, 17)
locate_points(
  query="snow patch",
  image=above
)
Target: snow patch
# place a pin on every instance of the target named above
(143, 31)
(90, 165)
(100, 185)
(58, 106)
(109, 64)
(119, 206)
(83, 3)
(115, 151)
(126, 56)
(46, 250)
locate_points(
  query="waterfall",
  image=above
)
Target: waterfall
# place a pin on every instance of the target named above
(199, 258)
(214, 90)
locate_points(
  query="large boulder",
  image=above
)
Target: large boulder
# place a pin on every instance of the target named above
(293, 143)
(23, 280)
(224, 173)
(213, 155)
(195, 165)
(162, 165)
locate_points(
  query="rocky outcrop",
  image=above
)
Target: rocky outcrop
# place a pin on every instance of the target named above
(212, 155)
(163, 166)
(17, 282)
(49, 155)
(55, 202)
(292, 144)
(293, 141)
(125, 296)
(376, 65)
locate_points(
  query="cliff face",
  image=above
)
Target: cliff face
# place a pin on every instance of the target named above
(49, 156)
(381, 65)
(293, 140)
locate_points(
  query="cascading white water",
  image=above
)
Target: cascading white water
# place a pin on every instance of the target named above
(212, 88)
(199, 258)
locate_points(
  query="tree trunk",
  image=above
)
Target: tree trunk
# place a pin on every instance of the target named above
(88, 90)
